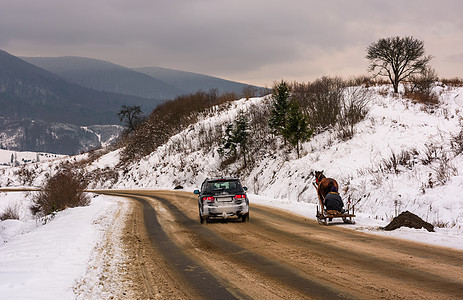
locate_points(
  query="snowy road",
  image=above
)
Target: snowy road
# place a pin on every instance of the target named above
(275, 255)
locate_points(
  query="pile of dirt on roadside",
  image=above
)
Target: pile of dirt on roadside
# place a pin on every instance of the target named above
(409, 219)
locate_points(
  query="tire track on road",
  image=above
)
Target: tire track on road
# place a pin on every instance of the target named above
(285, 274)
(284, 255)
(199, 280)
(432, 270)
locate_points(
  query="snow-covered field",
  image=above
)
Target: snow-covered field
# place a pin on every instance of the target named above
(11, 158)
(58, 259)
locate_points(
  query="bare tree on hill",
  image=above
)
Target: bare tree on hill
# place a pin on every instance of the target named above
(397, 58)
(131, 115)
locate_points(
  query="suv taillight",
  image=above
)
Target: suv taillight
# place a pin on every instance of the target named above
(240, 197)
(208, 199)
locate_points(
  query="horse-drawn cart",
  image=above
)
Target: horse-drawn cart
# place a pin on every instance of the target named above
(325, 216)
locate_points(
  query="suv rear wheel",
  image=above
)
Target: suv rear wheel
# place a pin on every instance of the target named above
(201, 219)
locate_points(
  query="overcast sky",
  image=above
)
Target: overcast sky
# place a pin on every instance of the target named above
(253, 41)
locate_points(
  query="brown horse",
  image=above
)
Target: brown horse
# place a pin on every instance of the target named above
(324, 184)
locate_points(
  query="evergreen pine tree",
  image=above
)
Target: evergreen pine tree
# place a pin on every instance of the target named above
(297, 128)
(236, 138)
(228, 147)
(241, 133)
(280, 106)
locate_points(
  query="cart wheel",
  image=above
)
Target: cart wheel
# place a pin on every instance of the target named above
(348, 220)
(318, 216)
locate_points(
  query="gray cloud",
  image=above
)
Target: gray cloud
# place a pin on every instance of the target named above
(250, 41)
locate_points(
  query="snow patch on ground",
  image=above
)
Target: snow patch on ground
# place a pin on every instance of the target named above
(40, 261)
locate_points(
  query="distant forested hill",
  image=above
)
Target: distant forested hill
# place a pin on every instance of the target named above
(148, 82)
(105, 76)
(27, 91)
(192, 82)
(41, 111)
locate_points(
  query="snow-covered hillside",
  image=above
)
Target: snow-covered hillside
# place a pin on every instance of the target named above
(403, 156)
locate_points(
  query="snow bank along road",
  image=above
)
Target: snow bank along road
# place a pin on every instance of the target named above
(276, 255)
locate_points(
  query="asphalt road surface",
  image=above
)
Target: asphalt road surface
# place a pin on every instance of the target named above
(276, 255)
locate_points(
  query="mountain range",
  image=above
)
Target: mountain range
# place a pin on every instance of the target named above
(147, 82)
(41, 94)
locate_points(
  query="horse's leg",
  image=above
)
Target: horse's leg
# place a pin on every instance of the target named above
(321, 201)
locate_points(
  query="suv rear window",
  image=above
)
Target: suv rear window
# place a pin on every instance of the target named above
(219, 186)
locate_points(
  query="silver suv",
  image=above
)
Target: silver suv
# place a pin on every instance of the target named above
(222, 198)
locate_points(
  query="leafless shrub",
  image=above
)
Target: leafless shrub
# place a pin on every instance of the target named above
(420, 87)
(353, 110)
(432, 153)
(441, 164)
(405, 158)
(362, 80)
(11, 212)
(331, 102)
(169, 119)
(111, 175)
(383, 92)
(25, 175)
(452, 81)
(61, 191)
(443, 224)
(390, 164)
(431, 99)
(321, 101)
(377, 177)
(95, 154)
(429, 184)
(209, 137)
(100, 177)
(445, 170)
(249, 91)
(408, 158)
(424, 82)
(457, 143)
